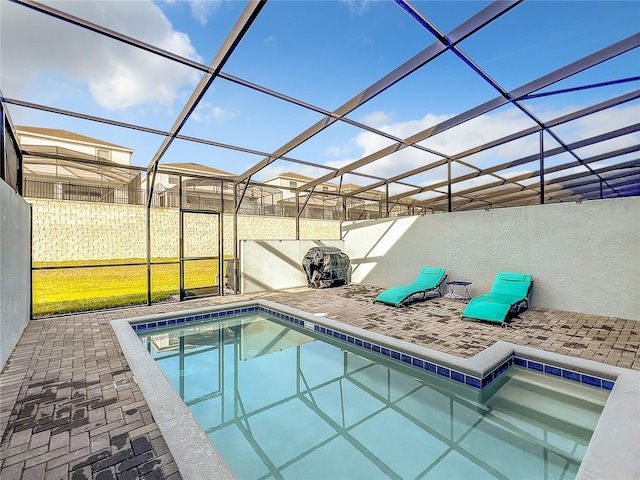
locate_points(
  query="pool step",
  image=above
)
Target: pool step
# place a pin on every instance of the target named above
(570, 448)
(557, 405)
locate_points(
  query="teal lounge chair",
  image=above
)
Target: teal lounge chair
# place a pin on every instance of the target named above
(428, 279)
(510, 291)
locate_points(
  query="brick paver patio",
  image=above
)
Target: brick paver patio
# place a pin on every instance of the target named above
(70, 408)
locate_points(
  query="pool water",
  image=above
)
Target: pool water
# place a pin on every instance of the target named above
(279, 403)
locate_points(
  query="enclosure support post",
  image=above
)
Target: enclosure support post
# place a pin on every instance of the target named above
(297, 215)
(236, 242)
(31, 261)
(181, 237)
(541, 167)
(386, 199)
(344, 207)
(221, 242)
(449, 208)
(148, 235)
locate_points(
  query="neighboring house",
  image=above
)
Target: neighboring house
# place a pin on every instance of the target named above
(288, 182)
(167, 181)
(325, 202)
(198, 193)
(319, 206)
(205, 193)
(68, 166)
(365, 205)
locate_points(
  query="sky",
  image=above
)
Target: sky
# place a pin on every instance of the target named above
(324, 53)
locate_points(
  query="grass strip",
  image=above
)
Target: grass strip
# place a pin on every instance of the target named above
(81, 289)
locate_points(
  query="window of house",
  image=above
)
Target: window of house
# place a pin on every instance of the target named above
(293, 184)
(174, 179)
(325, 188)
(103, 154)
(193, 201)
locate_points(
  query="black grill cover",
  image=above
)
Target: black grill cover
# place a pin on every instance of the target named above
(326, 267)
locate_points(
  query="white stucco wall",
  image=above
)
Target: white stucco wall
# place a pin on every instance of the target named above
(267, 265)
(15, 269)
(585, 257)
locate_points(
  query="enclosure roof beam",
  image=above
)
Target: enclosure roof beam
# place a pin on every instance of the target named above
(634, 95)
(58, 111)
(80, 22)
(247, 17)
(562, 73)
(475, 23)
(566, 118)
(500, 197)
(530, 158)
(53, 12)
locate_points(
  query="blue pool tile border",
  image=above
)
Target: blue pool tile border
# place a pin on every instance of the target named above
(397, 356)
(141, 326)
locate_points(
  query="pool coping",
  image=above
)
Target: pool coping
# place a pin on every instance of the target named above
(606, 456)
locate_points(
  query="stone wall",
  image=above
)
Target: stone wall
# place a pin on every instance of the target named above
(64, 231)
(87, 231)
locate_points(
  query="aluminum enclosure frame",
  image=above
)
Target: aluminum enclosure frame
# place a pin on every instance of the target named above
(613, 173)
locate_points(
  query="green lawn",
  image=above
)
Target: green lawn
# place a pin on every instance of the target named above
(80, 289)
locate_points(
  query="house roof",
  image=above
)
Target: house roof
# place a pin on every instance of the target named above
(62, 153)
(63, 163)
(350, 187)
(297, 176)
(290, 175)
(187, 167)
(65, 135)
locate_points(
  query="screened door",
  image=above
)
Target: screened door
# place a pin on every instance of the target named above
(201, 259)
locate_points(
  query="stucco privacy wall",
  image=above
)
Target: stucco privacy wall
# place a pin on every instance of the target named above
(584, 256)
(85, 231)
(15, 269)
(276, 264)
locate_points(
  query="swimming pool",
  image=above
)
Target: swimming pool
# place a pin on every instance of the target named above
(495, 366)
(281, 400)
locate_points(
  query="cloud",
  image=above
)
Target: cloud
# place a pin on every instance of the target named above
(368, 143)
(479, 131)
(377, 119)
(599, 123)
(334, 151)
(115, 75)
(201, 10)
(357, 7)
(205, 112)
(341, 150)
